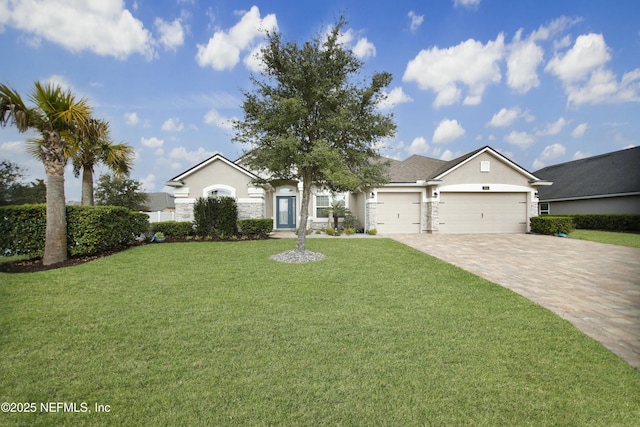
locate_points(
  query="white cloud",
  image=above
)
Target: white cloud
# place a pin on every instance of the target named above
(103, 27)
(393, 98)
(447, 131)
(364, 49)
(523, 60)
(550, 152)
(253, 60)
(448, 155)
(603, 87)
(132, 118)
(148, 182)
(470, 63)
(521, 139)
(505, 117)
(172, 124)
(553, 128)
(581, 155)
(214, 118)
(13, 147)
(192, 157)
(471, 4)
(580, 130)
(171, 33)
(586, 79)
(224, 47)
(152, 142)
(416, 21)
(418, 146)
(588, 53)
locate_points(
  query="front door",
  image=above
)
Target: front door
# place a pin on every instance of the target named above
(286, 214)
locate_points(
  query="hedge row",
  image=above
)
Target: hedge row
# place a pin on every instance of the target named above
(606, 222)
(256, 226)
(554, 224)
(551, 224)
(173, 228)
(90, 229)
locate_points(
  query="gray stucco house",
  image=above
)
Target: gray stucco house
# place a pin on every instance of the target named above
(604, 184)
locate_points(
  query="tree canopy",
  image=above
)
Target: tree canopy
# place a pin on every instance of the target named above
(311, 119)
(121, 191)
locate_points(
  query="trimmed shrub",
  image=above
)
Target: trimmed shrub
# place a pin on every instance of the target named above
(90, 229)
(256, 226)
(22, 229)
(372, 232)
(95, 229)
(606, 222)
(173, 228)
(215, 216)
(551, 225)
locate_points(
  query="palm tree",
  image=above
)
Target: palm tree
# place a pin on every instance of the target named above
(94, 146)
(54, 111)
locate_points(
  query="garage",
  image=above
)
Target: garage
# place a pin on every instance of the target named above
(398, 213)
(474, 213)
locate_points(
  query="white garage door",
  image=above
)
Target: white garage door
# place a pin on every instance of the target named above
(398, 213)
(476, 213)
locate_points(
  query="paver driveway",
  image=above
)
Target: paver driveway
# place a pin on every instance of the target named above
(595, 286)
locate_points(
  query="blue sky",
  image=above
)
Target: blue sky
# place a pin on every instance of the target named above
(542, 81)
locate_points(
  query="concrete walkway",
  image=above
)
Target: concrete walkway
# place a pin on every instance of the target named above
(594, 286)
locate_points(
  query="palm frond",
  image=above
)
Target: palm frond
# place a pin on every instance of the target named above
(13, 110)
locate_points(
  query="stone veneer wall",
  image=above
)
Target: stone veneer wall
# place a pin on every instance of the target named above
(433, 217)
(184, 212)
(371, 209)
(251, 210)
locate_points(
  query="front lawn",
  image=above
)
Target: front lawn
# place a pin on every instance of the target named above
(623, 239)
(375, 334)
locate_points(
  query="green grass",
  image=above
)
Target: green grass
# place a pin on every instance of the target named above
(375, 334)
(623, 239)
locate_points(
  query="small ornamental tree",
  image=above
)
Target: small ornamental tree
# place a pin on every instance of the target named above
(310, 119)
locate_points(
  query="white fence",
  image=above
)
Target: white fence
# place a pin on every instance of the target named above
(161, 216)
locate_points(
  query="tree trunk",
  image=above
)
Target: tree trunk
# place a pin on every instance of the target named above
(87, 186)
(55, 245)
(304, 215)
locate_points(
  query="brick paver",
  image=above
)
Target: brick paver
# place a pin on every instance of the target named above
(594, 286)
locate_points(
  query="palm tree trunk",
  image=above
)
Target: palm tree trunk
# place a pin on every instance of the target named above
(87, 186)
(55, 246)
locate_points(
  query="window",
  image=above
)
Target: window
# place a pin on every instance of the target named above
(324, 203)
(322, 206)
(544, 208)
(485, 166)
(219, 192)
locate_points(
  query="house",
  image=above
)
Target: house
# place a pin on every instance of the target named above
(160, 207)
(480, 192)
(604, 184)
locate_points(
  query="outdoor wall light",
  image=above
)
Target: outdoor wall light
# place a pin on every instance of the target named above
(435, 194)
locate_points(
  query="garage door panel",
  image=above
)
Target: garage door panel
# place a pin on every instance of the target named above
(483, 213)
(398, 213)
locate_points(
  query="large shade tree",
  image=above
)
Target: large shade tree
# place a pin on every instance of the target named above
(311, 118)
(54, 111)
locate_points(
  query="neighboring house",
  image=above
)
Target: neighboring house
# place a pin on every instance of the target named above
(605, 184)
(480, 192)
(160, 207)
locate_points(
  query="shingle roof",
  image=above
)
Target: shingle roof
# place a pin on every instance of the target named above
(414, 168)
(612, 173)
(160, 201)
